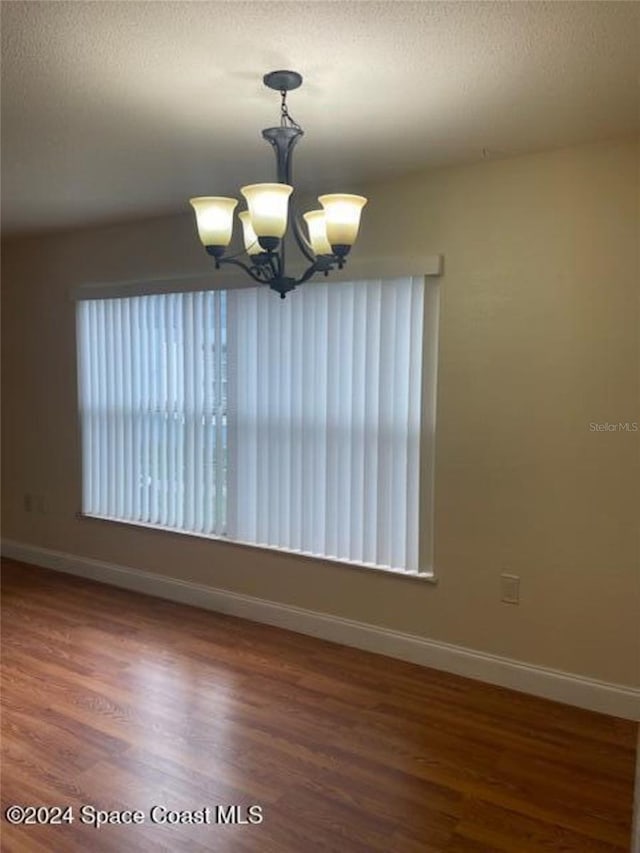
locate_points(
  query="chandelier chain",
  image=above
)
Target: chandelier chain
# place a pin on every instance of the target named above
(286, 119)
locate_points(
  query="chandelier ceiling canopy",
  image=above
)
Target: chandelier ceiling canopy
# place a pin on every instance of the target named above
(331, 230)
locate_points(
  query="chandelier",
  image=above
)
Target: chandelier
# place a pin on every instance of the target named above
(331, 230)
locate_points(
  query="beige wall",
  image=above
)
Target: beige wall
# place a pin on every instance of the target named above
(539, 338)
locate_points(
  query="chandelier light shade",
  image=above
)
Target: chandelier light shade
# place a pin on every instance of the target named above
(331, 232)
(214, 217)
(251, 245)
(268, 206)
(342, 216)
(317, 228)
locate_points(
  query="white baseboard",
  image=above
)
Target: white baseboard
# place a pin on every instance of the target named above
(615, 699)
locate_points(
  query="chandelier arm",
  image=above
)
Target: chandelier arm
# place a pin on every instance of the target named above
(258, 274)
(281, 257)
(273, 267)
(249, 270)
(237, 255)
(310, 271)
(301, 240)
(264, 273)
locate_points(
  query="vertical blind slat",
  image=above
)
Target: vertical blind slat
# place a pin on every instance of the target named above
(318, 433)
(168, 340)
(219, 478)
(413, 438)
(372, 395)
(295, 510)
(208, 508)
(191, 461)
(284, 424)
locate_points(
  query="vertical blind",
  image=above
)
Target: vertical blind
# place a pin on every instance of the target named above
(324, 395)
(287, 423)
(152, 389)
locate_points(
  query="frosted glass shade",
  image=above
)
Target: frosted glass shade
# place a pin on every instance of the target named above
(214, 216)
(268, 208)
(317, 228)
(342, 217)
(251, 245)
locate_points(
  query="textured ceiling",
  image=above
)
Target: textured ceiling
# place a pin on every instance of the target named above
(112, 110)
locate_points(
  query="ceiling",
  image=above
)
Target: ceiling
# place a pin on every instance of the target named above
(114, 110)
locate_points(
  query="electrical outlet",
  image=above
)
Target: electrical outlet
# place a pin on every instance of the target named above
(27, 502)
(510, 588)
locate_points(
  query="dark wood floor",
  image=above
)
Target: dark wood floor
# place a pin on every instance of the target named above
(121, 701)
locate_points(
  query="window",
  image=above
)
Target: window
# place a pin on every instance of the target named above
(292, 424)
